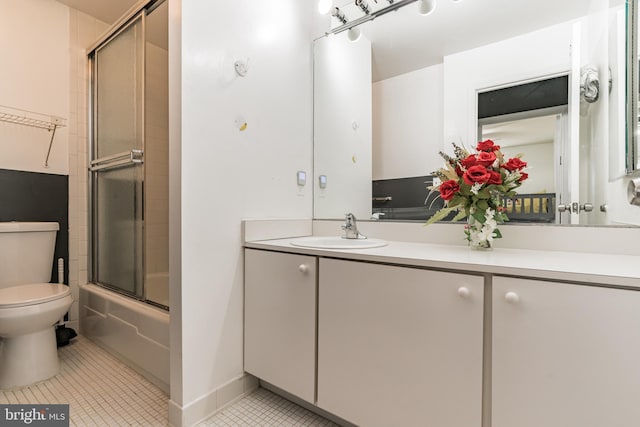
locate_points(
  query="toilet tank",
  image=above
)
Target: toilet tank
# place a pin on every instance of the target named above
(26, 252)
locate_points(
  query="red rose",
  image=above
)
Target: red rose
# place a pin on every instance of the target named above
(448, 189)
(514, 164)
(495, 178)
(486, 158)
(477, 173)
(469, 161)
(459, 171)
(523, 176)
(487, 145)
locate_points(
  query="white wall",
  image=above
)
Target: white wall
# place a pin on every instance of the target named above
(342, 126)
(540, 162)
(407, 124)
(532, 55)
(226, 174)
(34, 76)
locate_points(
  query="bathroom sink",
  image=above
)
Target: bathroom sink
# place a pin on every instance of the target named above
(329, 242)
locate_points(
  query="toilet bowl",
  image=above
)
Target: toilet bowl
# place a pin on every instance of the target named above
(28, 314)
(29, 308)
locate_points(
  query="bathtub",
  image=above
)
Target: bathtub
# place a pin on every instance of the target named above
(135, 332)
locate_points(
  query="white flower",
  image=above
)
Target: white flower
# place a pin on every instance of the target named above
(476, 187)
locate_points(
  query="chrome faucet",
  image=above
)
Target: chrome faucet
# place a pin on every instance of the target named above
(350, 228)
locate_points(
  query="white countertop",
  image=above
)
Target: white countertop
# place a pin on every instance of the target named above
(596, 268)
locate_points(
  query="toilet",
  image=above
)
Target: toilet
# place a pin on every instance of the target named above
(29, 306)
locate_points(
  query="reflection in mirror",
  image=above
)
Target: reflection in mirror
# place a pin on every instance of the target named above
(633, 88)
(384, 106)
(530, 120)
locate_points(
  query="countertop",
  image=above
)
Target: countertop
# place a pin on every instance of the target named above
(588, 268)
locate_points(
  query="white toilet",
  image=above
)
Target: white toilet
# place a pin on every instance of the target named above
(29, 306)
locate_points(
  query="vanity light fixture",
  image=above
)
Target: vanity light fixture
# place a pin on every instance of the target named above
(425, 8)
(324, 6)
(362, 4)
(340, 15)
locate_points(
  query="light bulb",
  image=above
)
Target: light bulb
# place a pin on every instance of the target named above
(324, 6)
(426, 6)
(354, 34)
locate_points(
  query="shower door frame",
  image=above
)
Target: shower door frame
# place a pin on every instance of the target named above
(138, 11)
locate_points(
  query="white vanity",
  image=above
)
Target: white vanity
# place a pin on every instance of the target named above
(417, 334)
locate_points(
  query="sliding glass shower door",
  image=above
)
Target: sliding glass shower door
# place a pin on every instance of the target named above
(117, 167)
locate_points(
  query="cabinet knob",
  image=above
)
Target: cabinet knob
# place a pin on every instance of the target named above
(303, 268)
(464, 292)
(512, 297)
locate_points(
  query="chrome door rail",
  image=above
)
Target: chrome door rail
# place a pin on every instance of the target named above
(128, 157)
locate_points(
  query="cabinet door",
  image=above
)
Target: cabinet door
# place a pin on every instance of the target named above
(564, 355)
(399, 346)
(280, 320)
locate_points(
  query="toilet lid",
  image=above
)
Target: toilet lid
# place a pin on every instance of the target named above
(34, 293)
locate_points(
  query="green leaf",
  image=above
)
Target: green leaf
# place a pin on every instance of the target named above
(497, 234)
(484, 194)
(479, 216)
(456, 201)
(440, 215)
(465, 189)
(459, 216)
(483, 205)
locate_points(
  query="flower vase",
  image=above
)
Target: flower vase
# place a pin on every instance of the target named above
(479, 235)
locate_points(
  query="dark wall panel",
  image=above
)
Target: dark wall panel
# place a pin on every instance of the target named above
(30, 196)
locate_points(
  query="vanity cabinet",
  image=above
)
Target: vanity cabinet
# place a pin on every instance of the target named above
(564, 355)
(280, 320)
(399, 346)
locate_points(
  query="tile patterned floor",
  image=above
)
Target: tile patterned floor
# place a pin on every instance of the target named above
(263, 408)
(102, 391)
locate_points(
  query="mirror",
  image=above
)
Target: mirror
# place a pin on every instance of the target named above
(386, 104)
(633, 85)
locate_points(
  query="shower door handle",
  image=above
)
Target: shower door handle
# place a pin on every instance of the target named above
(121, 159)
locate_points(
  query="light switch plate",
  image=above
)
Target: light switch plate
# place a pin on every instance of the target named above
(302, 178)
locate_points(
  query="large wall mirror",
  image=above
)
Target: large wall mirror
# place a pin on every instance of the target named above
(546, 79)
(633, 84)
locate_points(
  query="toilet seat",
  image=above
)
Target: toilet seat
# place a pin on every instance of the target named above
(32, 294)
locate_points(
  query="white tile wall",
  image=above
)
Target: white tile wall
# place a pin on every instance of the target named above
(83, 31)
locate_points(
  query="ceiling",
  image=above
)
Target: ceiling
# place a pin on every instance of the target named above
(109, 12)
(105, 10)
(404, 41)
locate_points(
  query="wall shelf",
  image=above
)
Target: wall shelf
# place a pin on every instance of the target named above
(33, 119)
(30, 118)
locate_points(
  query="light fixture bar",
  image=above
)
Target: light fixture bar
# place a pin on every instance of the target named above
(370, 17)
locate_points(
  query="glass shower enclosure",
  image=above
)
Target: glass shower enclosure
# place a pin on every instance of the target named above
(128, 168)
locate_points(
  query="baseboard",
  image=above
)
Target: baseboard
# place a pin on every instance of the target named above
(207, 405)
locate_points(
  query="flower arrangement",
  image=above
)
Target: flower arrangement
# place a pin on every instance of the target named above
(476, 186)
